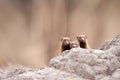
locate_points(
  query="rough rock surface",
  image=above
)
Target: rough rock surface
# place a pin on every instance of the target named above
(76, 64)
(111, 43)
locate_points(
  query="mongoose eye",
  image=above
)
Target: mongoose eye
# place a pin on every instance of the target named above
(65, 39)
(85, 36)
(81, 37)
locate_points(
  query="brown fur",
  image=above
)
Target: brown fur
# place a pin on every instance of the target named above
(74, 44)
(82, 39)
(65, 44)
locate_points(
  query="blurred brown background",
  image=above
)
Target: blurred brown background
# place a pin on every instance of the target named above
(30, 30)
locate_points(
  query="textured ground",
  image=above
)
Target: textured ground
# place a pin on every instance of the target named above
(75, 64)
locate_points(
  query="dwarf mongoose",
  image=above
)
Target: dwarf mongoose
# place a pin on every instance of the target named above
(74, 44)
(82, 39)
(65, 44)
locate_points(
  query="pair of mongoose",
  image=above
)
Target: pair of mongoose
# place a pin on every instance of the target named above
(67, 44)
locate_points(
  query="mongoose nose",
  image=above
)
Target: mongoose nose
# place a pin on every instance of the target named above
(66, 43)
(82, 39)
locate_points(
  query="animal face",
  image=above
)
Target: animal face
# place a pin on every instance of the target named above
(65, 41)
(74, 44)
(82, 38)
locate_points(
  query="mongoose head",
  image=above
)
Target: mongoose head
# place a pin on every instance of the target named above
(82, 39)
(74, 44)
(65, 43)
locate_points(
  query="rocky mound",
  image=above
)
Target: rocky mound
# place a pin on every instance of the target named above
(76, 64)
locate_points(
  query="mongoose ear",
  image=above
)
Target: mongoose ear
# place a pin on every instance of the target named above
(77, 37)
(61, 39)
(86, 37)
